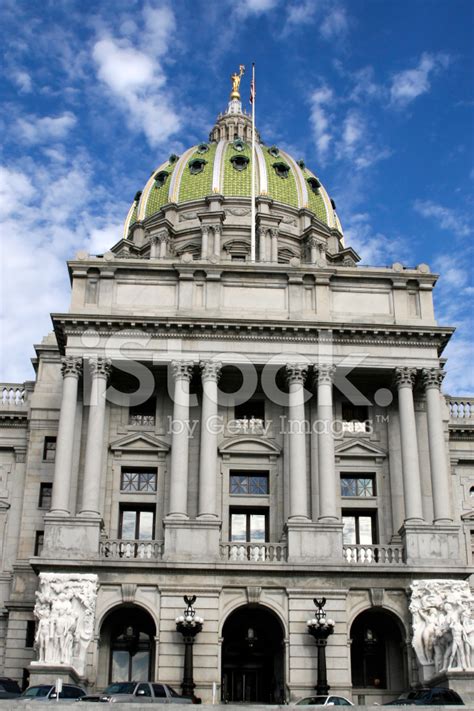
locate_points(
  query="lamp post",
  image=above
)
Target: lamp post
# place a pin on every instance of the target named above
(320, 628)
(189, 625)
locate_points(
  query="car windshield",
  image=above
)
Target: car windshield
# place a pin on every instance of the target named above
(313, 701)
(173, 692)
(35, 692)
(121, 688)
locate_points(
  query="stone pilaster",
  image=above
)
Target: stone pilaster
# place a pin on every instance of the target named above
(404, 379)
(100, 369)
(204, 241)
(328, 485)
(274, 238)
(296, 374)
(71, 369)
(210, 374)
(182, 372)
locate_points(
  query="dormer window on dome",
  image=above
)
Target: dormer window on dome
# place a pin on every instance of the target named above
(137, 196)
(161, 178)
(173, 158)
(301, 164)
(202, 148)
(314, 184)
(238, 144)
(281, 169)
(197, 165)
(239, 162)
(274, 151)
(333, 204)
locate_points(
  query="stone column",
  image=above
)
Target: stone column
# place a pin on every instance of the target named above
(182, 372)
(328, 485)
(274, 235)
(100, 369)
(154, 246)
(404, 380)
(262, 252)
(217, 240)
(210, 373)
(313, 246)
(432, 379)
(204, 241)
(163, 238)
(71, 370)
(296, 374)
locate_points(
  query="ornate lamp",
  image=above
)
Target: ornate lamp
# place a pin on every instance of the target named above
(189, 625)
(321, 628)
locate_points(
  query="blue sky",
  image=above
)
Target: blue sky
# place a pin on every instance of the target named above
(375, 95)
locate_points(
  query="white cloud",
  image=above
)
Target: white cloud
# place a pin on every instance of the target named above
(300, 13)
(255, 7)
(447, 218)
(373, 247)
(354, 142)
(136, 78)
(23, 81)
(411, 83)
(36, 129)
(15, 190)
(335, 23)
(320, 120)
(102, 239)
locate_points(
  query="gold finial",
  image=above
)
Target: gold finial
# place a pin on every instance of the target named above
(235, 79)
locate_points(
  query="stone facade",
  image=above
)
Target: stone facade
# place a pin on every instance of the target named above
(255, 434)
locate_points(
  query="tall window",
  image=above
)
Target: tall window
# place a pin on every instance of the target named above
(39, 541)
(138, 480)
(248, 483)
(46, 492)
(137, 523)
(49, 449)
(357, 485)
(359, 528)
(253, 408)
(30, 633)
(249, 526)
(144, 413)
(354, 417)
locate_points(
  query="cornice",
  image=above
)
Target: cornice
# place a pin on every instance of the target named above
(230, 329)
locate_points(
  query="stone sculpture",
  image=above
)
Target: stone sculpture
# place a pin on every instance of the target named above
(65, 611)
(443, 624)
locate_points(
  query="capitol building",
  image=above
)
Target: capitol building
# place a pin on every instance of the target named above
(250, 417)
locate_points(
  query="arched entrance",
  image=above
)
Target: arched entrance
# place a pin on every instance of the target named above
(127, 645)
(253, 657)
(378, 660)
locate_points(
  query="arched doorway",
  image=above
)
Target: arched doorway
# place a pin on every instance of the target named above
(377, 652)
(127, 645)
(253, 657)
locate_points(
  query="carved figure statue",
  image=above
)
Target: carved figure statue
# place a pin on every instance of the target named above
(443, 624)
(236, 79)
(65, 610)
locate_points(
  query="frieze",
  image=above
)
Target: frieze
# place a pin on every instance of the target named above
(238, 211)
(190, 215)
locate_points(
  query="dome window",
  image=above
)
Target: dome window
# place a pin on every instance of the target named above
(333, 204)
(160, 178)
(238, 144)
(202, 148)
(301, 164)
(173, 158)
(282, 169)
(274, 151)
(239, 162)
(137, 196)
(314, 184)
(196, 166)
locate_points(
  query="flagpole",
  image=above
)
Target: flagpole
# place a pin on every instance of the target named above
(252, 226)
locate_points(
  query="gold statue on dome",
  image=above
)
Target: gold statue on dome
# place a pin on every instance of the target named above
(235, 79)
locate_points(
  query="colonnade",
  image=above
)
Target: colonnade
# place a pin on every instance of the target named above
(322, 380)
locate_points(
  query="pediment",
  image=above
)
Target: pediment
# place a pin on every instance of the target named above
(468, 517)
(249, 446)
(359, 449)
(139, 442)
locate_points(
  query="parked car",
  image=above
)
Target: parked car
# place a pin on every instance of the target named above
(9, 688)
(324, 701)
(437, 696)
(139, 692)
(47, 692)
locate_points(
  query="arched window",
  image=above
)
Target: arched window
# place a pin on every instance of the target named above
(128, 633)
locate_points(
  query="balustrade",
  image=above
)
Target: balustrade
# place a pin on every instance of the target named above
(254, 552)
(13, 395)
(377, 554)
(131, 550)
(461, 409)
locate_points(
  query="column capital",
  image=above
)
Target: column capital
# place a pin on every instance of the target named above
(261, 231)
(210, 370)
(404, 377)
(204, 229)
(100, 367)
(324, 374)
(217, 229)
(71, 366)
(312, 241)
(274, 231)
(182, 369)
(432, 377)
(296, 372)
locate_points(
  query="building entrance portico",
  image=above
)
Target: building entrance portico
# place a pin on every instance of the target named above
(253, 657)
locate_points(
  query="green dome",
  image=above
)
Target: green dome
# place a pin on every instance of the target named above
(224, 166)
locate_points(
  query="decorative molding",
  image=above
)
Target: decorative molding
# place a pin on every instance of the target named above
(296, 372)
(376, 596)
(128, 593)
(100, 367)
(359, 448)
(190, 215)
(432, 377)
(141, 442)
(404, 377)
(324, 374)
(182, 369)
(71, 367)
(210, 370)
(254, 594)
(238, 211)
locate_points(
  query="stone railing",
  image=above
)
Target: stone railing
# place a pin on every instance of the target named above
(13, 395)
(131, 550)
(254, 552)
(246, 426)
(461, 410)
(377, 554)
